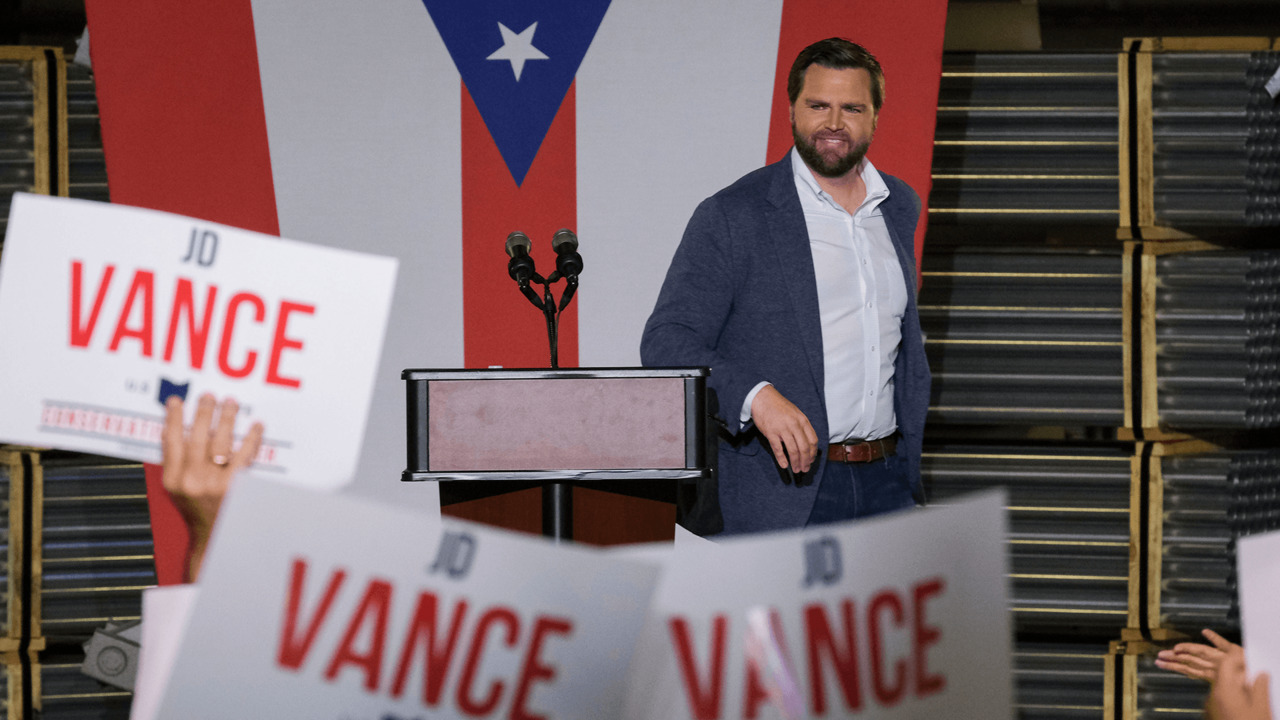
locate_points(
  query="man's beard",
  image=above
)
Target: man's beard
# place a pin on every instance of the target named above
(835, 167)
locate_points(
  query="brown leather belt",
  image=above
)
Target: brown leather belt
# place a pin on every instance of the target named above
(862, 451)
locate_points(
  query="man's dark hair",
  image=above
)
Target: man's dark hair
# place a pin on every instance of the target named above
(837, 54)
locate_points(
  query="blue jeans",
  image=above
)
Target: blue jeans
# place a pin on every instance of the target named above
(859, 490)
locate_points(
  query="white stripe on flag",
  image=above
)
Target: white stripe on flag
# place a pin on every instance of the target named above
(363, 108)
(673, 105)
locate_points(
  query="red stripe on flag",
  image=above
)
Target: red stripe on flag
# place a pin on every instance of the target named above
(183, 126)
(183, 130)
(168, 531)
(906, 37)
(501, 327)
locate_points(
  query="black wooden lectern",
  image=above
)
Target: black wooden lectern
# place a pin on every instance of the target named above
(486, 432)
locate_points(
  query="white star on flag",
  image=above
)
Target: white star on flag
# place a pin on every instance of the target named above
(517, 48)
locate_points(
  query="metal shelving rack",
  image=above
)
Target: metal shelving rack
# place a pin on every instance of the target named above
(76, 532)
(1121, 391)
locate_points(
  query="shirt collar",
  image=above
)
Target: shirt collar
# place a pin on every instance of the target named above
(877, 190)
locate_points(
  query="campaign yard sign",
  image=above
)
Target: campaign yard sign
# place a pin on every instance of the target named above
(896, 617)
(106, 310)
(1259, 569)
(350, 610)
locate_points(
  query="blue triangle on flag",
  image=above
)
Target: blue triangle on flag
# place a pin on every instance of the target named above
(517, 58)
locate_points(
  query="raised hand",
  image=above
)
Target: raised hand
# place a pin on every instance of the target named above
(199, 465)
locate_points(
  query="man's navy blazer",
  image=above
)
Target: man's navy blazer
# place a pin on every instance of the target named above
(741, 298)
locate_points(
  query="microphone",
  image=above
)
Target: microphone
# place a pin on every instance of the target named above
(568, 261)
(520, 266)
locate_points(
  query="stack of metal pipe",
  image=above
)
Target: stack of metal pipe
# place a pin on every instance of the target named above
(1216, 147)
(1165, 695)
(88, 168)
(1063, 681)
(17, 158)
(1068, 527)
(1026, 138)
(97, 547)
(1210, 501)
(1218, 339)
(67, 693)
(1025, 337)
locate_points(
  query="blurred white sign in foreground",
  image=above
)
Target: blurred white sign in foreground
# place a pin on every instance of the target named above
(1258, 562)
(317, 606)
(896, 617)
(105, 310)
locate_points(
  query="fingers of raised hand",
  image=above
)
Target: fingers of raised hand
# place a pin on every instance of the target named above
(1198, 659)
(248, 449)
(1200, 652)
(223, 434)
(173, 439)
(198, 437)
(202, 460)
(1218, 641)
(1185, 665)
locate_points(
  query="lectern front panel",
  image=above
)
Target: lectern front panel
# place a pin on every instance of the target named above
(619, 423)
(581, 424)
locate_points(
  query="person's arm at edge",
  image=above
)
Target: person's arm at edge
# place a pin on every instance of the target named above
(1196, 660)
(1233, 697)
(193, 479)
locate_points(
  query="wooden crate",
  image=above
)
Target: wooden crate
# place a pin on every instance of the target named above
(49, 117)
(24, 501)
(1146, 537)
(1138, 327)
(1137, 131)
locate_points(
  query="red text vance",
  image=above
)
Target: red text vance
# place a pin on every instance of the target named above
(244, 334)
(441, 649)
(843, 640)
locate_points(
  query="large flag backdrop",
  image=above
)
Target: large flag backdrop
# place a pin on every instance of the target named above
(429, 129)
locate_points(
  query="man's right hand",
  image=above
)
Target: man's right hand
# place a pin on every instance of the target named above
(784, 426)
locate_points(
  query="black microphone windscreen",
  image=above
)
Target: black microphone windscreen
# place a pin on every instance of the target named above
(518, 244)
(564, 241)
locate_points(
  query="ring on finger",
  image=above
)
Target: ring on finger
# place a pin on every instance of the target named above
(220, 460)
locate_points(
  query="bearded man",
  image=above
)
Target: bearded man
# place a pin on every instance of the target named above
(796, 286)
